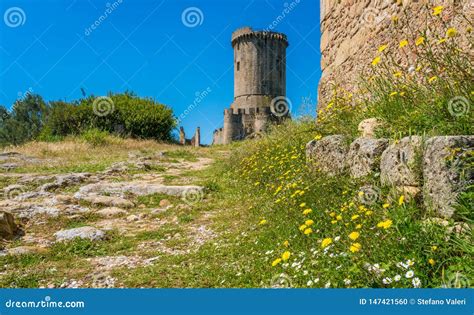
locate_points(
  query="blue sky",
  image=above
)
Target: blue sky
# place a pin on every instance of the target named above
(147, 47)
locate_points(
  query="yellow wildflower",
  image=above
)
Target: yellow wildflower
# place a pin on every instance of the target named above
(333, 221)
(339, 218)
(276, 262)
(286, 255)
(355, 247)
(332, 214)
(361, 193)
(309, 222)
(326, 242)
(385, 205)
(302, 205)
(451, 32)
(393, 93)
(358, 226)
(263, 222)
(397, 74)
(355, 216)
(432, 79)
(401, 200)
(434, 248)
(418, 68)
(308, 231)
(431, 261)
(438, 10)
(286, 243)
(382, 48)
(442, 40)
(367, 213)
(385, 224)
(419, 41)
(302, 227)
(354, 235)
(403, 43)
(307, 211)
(318, 137)
(376, 61)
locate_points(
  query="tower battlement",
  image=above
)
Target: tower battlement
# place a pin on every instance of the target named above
(248, 32)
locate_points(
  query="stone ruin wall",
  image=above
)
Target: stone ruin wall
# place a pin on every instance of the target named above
(352, 31)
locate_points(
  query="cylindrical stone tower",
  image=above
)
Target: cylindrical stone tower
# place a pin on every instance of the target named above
(259, 67)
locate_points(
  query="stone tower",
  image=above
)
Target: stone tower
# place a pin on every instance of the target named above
(259, 79)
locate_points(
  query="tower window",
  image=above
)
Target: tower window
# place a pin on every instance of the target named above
(238, 65)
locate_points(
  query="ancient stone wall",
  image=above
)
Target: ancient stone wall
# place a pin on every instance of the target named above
(352, 31)
(433, 171)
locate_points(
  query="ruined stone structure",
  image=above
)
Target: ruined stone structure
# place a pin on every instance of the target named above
(195, 141)
(259, 84)
(352, 31)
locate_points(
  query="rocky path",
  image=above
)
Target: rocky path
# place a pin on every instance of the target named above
(148, 202)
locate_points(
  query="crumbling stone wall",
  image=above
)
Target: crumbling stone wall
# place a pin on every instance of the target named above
(435, 170)
(352, 31)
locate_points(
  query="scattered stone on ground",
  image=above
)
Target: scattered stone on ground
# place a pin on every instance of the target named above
(85, 232)
(111, 212)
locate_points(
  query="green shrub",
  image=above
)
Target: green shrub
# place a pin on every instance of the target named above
(122, 114)
(95, 137)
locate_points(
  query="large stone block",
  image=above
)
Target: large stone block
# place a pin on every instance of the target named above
(364, 156)
(8, 228)
(399, 162)
(328, 154)
(447, 171)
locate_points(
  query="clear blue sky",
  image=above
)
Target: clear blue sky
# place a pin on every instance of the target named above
(144, 46)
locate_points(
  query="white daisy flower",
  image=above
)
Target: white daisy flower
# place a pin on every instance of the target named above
(416, 282)
(347, 281)
(309, 283)
(409, 274)
(387, 280)
(397, 278)
(328, 284)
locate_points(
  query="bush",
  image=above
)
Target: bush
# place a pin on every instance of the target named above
(95, 137)
(24, 122)
(121, 114)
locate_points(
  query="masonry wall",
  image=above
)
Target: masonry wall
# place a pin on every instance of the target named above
(352, 31)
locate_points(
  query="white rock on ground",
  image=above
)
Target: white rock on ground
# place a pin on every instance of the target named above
(85, 232)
